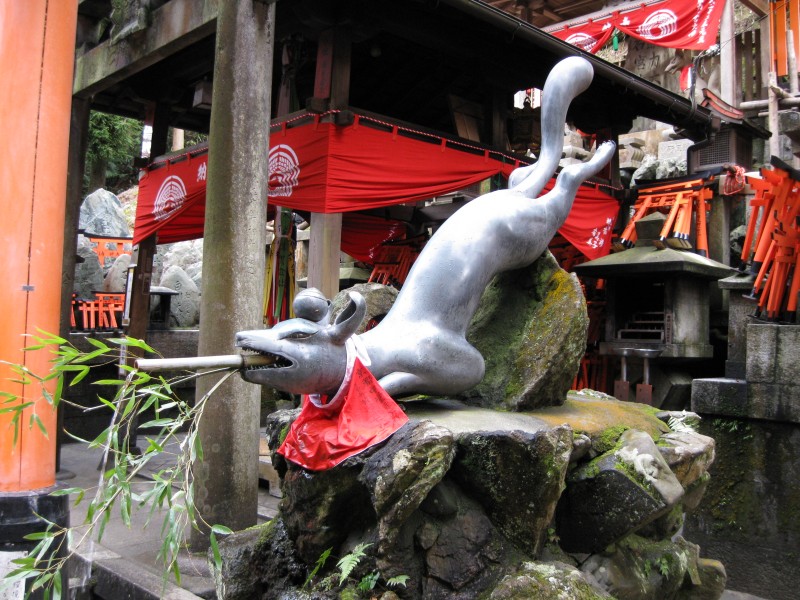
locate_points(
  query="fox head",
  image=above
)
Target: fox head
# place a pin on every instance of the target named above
(309, 351)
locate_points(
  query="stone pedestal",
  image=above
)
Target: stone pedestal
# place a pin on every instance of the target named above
(773, 371)
(770, 388)
(466, 502)
(739, 311)
(22, 514)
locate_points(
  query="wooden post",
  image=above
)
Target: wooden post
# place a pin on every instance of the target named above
(226, 481)
(78, 142)
(727, 56)
(138, 297)
(323, 251)
(772, 118)
(331, 90)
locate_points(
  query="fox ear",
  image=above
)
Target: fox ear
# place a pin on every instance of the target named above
(347, 322)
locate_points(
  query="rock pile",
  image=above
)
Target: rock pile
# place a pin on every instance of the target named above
(586, 498)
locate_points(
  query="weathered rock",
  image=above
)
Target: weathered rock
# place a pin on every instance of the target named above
(640, 453)
(640, 569)
(615, 494)
(400, 475)
(601, 416)
(517, 477)
(712, 580)
(187, 255)
(379, 300)
(460, 500)
(116, 279)
(688, 454)
(465, 556)
(530, 328)
(89, 272)
(321, 509)
(543, 581)
(101, 214)
(185, 306)
(695, 492)
(254, 556)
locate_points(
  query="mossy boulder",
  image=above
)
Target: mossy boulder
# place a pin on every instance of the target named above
(545, 581)
(615, 494)
(637, 568)
(530, 328)
(462, 499)
(379, 299)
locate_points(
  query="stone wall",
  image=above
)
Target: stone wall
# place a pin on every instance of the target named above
(750, 516)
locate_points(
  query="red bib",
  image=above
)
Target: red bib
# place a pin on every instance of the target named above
(360, 415)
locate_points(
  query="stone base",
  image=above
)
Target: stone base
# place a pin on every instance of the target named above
(24, 513)
(741, 399)
(771, 387)
(720, 396)
(469, 502)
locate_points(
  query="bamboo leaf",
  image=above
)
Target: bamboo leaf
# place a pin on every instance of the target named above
(41, 581)
(58, 391)
(50, 338)
(197, 444)
(57, 587)
(17, 408)
(153, 446)
(129, 406)
(215, 551)
(98, 344)
(67, 491)
(109, 404)
(36, 420)
(84, 358)
(116, 382)
(156, 423)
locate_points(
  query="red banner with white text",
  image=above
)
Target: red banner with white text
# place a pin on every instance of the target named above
(327, 168)
(686, 24)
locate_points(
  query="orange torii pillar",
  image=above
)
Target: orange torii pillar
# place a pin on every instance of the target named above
(37, 49)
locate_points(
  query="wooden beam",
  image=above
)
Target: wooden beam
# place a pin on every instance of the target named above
(175, 26)
(759, 7)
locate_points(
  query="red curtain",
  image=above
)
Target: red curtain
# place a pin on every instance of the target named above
(322, 167)
(363, 234)
(687, 24)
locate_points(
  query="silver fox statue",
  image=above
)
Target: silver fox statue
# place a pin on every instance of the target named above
(420, 345)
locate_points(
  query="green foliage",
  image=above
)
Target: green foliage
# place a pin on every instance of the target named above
(114, 142)
(323, 558)
(350, 561)
(170, 492)
(346, 565)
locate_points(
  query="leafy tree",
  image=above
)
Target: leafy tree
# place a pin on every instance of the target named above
(114, 142)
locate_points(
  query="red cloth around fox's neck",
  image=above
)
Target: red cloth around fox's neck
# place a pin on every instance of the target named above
(360, 415)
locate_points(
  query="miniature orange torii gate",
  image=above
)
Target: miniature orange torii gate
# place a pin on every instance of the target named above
(784, 21)
(680, 200)
(774, 251)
